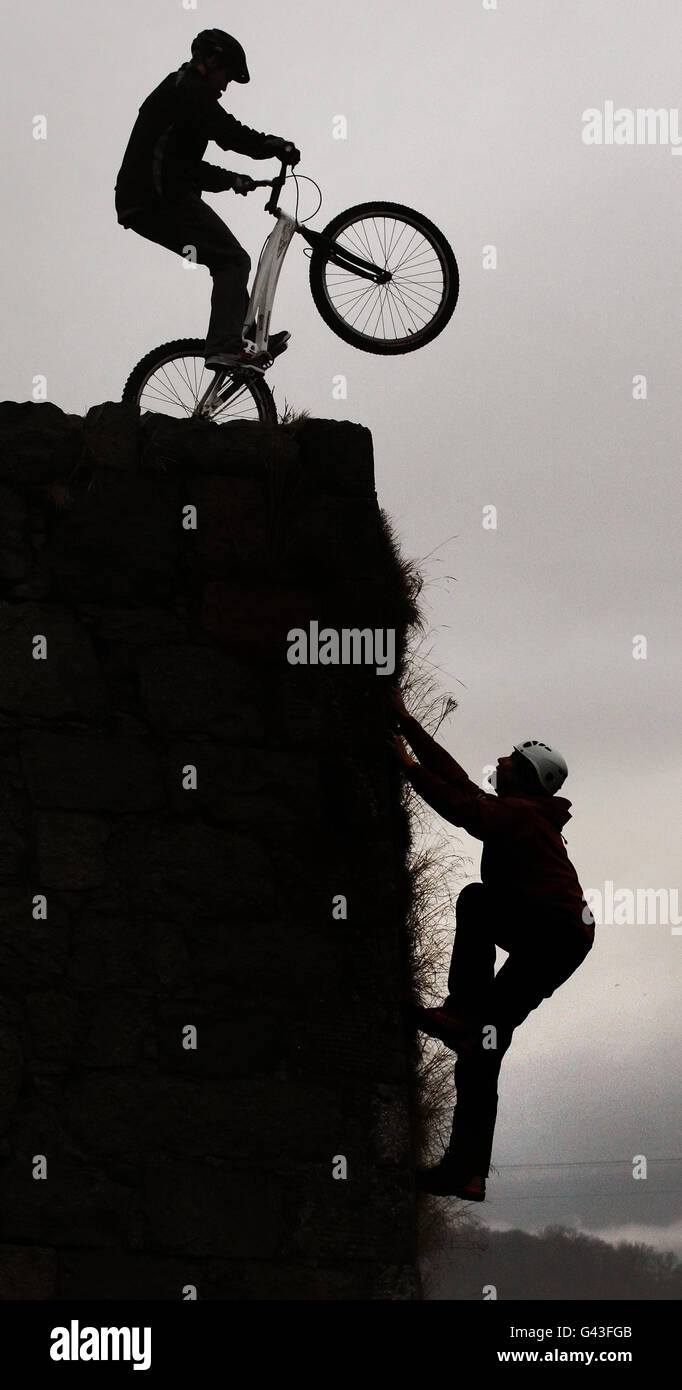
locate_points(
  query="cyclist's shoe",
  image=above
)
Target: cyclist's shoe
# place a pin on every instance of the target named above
(449, 1180)
(236, 361)
(277, 342)
(244, 357)
(458, 1035)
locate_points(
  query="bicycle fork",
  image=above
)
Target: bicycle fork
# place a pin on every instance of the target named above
(343, 257)
(221, 390)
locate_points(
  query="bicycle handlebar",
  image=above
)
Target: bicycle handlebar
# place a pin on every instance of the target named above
(275, 184)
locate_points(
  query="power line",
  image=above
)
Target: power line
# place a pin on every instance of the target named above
(585, 1163)
(587, 1196)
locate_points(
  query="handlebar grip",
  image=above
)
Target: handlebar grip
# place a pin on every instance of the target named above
(277, 186)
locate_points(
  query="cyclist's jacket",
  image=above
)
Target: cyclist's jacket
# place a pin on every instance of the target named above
(163, 159)
(524, 858)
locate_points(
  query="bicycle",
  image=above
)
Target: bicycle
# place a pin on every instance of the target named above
(382, 276)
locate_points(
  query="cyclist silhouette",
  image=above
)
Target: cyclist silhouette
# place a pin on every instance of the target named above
(159, 184)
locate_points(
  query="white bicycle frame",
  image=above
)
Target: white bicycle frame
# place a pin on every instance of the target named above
(256, 330)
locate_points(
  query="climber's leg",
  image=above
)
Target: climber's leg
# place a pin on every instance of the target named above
(542, 956)
(472, 966)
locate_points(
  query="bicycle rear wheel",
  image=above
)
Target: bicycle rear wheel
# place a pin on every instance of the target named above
(413, 306)
(173, 380)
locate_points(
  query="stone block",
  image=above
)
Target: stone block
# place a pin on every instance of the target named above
(235, 449)
(105, 1113)
(336, 456)
(274, 1119)
(182, 871)
(38, 442)
(232, 532)
(66, 684)
(70, 850)
(54, 1021)
(33, 954)
(111, 437)
(273, 794)
(123, 1276)
(27, 1275)
(15, 552)
(201, 1210)
(91, 772)
(203, 690)
(78, 1205)
(11, 1071)
(108, 949)
(104, 548)
(257, 617)
(367, 1216)
(232, 1039)
(118, 1031)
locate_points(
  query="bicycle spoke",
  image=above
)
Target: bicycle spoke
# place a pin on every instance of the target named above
(405, 292)
(184, 369)
(176, 387)
(172, 388)
(404, 305)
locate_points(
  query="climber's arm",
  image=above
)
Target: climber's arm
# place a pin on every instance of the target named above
(477, 812)
(433, 757)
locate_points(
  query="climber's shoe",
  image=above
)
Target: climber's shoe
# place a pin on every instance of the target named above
(449, 1180)
(458, 1035)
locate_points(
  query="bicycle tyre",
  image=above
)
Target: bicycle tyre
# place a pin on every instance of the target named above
(444, 257)
(190, 385)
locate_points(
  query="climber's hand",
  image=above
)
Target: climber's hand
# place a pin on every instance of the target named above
(399, 751)
(397, 703)
(241, 183)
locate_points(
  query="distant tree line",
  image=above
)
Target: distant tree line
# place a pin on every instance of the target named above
(557, 1263)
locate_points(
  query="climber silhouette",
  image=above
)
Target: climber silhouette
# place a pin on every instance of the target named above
(529, 902)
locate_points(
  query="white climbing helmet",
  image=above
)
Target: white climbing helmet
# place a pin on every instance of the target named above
(549, 765)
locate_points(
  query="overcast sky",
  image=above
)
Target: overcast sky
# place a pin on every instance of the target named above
(525, 402)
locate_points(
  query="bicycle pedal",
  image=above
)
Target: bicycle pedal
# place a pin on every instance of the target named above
(280, 346)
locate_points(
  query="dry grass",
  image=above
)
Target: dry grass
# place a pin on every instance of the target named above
(436, 869)
(291, 416)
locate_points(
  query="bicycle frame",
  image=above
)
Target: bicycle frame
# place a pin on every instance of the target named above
(257, 323)
(256, 328)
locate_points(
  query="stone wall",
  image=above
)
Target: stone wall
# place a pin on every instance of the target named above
(180, 807)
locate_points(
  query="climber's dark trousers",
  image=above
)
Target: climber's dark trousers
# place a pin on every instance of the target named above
(543, 952)
(192, 229)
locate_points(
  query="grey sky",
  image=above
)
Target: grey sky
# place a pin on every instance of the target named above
(525, 403)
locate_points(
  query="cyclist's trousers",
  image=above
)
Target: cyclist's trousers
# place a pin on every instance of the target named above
(195, 231)
(544, 950)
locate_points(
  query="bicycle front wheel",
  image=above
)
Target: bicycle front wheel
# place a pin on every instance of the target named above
(413, 306)
(173, 380)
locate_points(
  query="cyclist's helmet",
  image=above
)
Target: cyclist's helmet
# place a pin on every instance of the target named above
(216, 43)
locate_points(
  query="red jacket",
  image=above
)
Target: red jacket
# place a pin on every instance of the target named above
(524, 856)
